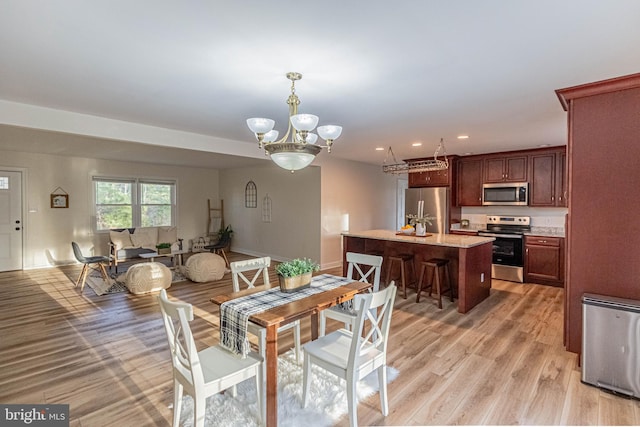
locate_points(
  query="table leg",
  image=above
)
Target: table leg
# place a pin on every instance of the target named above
(314, 326)
(272, 376)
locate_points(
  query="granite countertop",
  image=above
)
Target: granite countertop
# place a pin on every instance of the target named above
(449, 240)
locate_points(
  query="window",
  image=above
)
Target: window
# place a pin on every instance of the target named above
(126, 203)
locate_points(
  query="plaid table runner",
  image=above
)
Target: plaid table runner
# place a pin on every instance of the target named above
(234, 314)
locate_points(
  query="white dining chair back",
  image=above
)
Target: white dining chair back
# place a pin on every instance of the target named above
(352, 355)
(363, 268)
(205, 373)
(240, 270)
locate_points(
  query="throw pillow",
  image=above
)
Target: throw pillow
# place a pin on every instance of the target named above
(142, 240)
(167, 234)
(122, 239)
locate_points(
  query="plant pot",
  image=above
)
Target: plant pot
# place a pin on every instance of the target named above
(163, 251)
(295, 283)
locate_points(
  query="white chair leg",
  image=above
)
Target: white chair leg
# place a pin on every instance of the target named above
(296, 340)
(382, 386)
(177, 402)
(323, 324)
(199, 411)
(351, 401)
(306, 384)
(262, 407)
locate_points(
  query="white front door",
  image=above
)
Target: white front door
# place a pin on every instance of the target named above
(10, 220)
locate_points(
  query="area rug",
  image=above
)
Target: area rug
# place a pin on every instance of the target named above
(327, 402)
(115, 283)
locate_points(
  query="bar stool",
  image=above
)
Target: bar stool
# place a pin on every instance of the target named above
(402, 260)
(436, 265)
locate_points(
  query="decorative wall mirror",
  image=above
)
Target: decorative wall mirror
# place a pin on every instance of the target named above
(250, 195)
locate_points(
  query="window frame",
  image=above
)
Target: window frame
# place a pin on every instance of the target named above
(136, 199)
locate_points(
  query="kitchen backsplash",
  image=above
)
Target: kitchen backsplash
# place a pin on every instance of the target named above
(549, 220)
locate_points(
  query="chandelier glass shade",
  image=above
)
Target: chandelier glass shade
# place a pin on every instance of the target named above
(301, 149)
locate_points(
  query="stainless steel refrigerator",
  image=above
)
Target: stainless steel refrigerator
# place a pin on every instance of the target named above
(436, 203)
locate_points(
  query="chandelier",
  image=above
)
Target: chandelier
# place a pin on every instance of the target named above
(299, 152)
(419, 165)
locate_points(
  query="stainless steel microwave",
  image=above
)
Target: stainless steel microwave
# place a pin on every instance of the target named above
(506, 194)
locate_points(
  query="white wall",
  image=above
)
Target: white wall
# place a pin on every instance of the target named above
(48, 232)
(294, 230)
(311, 207)
(355, 197)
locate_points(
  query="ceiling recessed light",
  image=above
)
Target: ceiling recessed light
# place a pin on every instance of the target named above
(379, 148)
(416, 144)
(463, 136)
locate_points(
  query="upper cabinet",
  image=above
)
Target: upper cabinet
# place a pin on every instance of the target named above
(469, 191)
(547, 182)
(505, 168)
(543, 168)
(440, 178)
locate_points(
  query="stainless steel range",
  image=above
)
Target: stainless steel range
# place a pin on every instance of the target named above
(508, 248)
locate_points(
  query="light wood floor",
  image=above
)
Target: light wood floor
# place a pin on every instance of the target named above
(502, 363)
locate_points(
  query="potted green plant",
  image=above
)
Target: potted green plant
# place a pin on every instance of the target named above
(224, 234)
(163, 248)
(296, 274)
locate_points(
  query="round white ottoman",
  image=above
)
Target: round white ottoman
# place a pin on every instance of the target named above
(204, 267)
(147, 277)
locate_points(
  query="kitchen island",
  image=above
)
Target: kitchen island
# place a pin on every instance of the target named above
(469, 257)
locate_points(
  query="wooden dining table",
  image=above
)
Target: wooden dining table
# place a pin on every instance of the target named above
(273, 318)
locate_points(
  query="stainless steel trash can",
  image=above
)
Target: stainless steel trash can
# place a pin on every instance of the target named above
(611, 344)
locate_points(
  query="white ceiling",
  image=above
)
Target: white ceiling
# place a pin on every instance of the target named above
(391, 73)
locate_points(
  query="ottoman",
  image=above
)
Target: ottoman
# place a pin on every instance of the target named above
(204, 267)
(147, 277)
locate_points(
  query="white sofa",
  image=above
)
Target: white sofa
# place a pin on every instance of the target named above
(129, 243)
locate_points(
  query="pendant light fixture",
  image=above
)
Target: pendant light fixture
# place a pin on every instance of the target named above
(299, 152)
(428, 165)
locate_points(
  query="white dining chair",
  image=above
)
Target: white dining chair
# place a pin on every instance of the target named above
(363, 268)
(352, 355)
(202, 373)
(249, 271)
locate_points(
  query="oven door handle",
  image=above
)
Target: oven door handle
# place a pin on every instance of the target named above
(504, 236)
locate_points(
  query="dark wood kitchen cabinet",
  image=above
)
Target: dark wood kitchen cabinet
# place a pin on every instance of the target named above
(603, 239)
(440, 178)
(544, 260)
(430, 179)
(469, 191)
(505, 169)
(547, 179)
